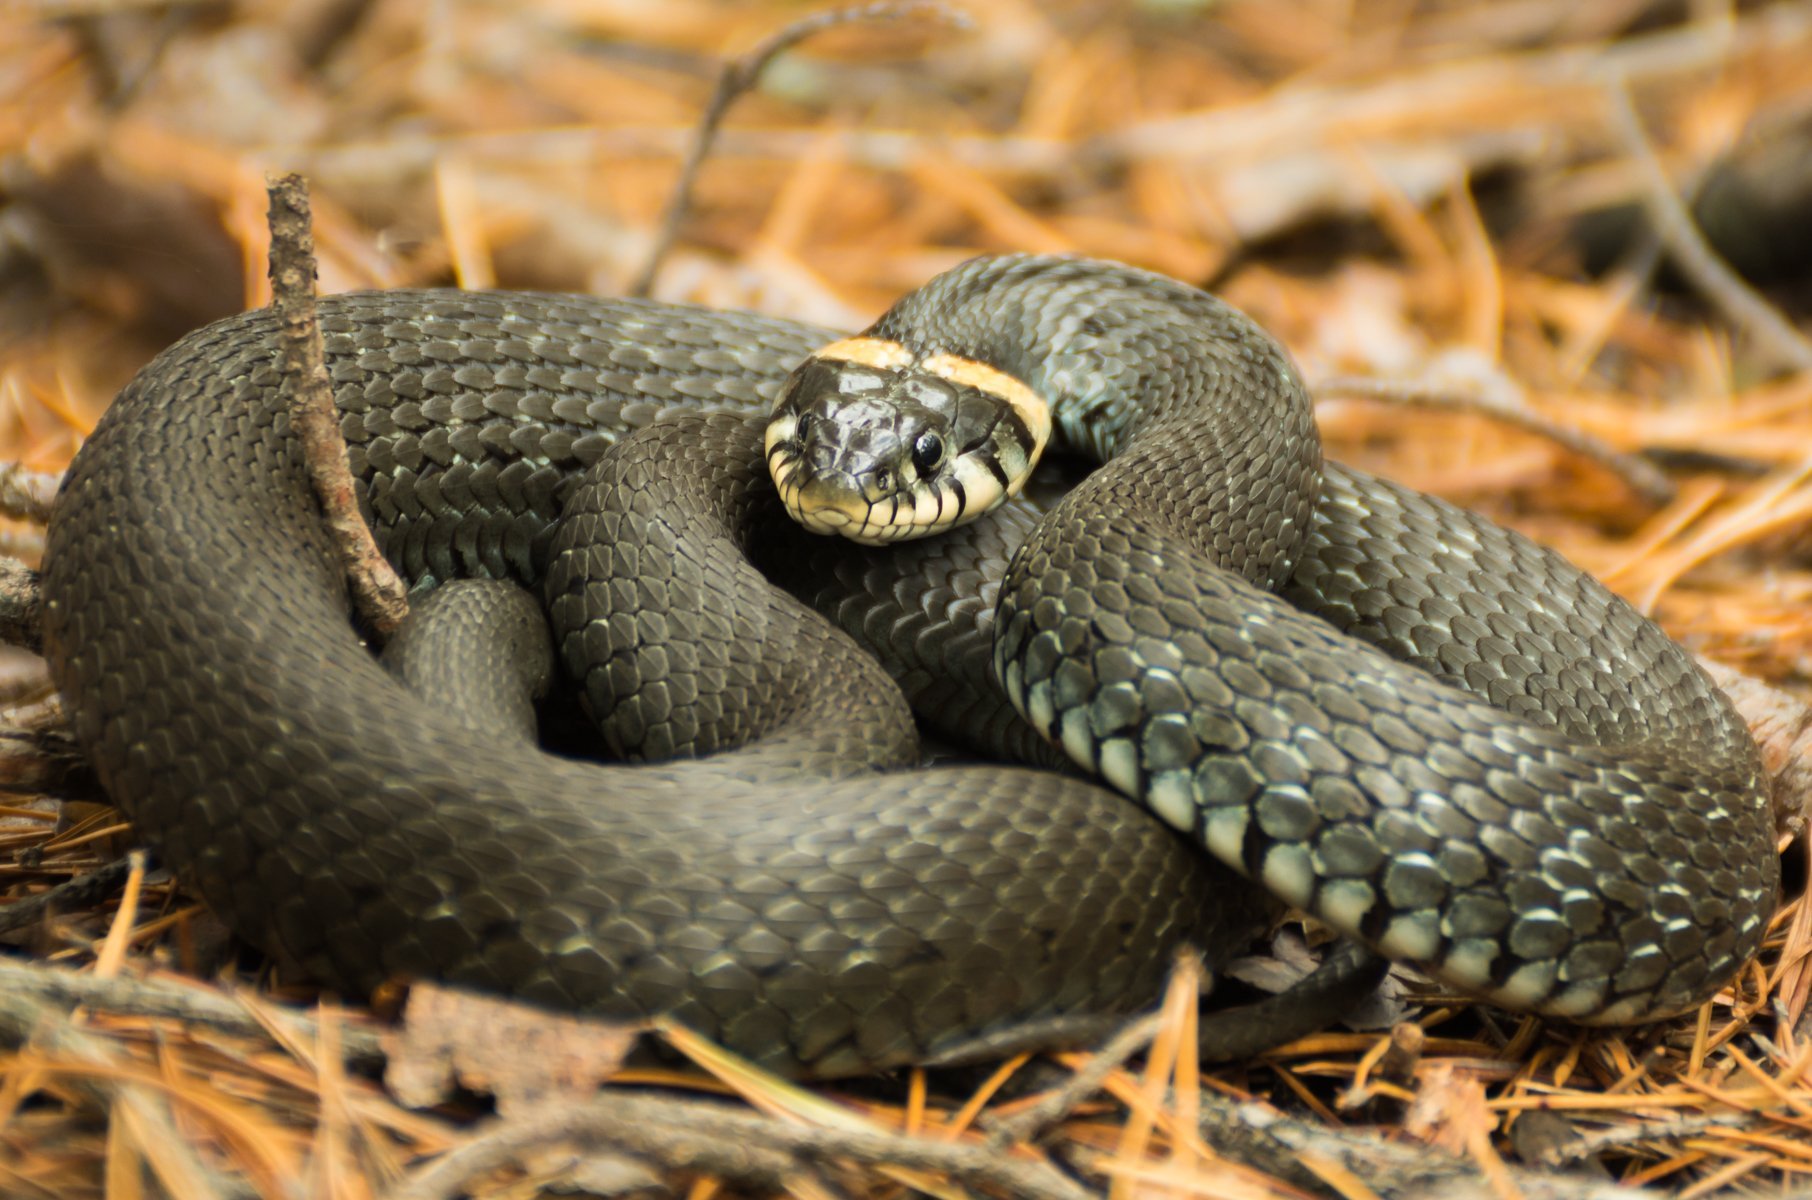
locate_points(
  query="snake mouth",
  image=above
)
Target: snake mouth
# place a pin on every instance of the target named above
(831, 505)
(823, 507)
(855, 506)
(838, 507)
(877, 442)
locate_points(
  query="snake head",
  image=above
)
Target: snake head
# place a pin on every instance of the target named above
(875, 442)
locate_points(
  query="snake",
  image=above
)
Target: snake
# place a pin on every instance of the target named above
(1439, 738)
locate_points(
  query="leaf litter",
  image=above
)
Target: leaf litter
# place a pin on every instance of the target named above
(1407, 195)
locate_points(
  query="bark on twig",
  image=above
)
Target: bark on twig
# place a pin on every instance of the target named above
(1670, 1132)
(738, 76)
(21, 611)
(27, 495)
(1032, 1123)
(1774, 335)
(739, 1146)
(1310, 1155)
(80, 892)
(39, 756)
(61, 988)
(1318, 111)
(1294, 114)
(377, 593)
(1643, 478)
(27, 1022)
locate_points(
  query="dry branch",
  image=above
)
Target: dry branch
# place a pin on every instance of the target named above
(1641, 477)
(742, 73)
(377, 593)
(1448, 92)
(31, 1026)
(1774, 335)
(80, 892)
(21, 606)
(1310, 113)
(750, 1149)
(61, 987)
(26, 494)
(1304, 1154)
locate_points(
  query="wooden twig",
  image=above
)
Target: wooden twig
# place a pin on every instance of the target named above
(26, 1022)
(1312, 112)
(22, 543)
(79, 892)
(1403, 1053)
(750, 1163)
(21, 612)
(1320, 112)
(1641, 477)
(1545, 1137)
(737, 1145)
(1346, 975)
(63, 9)
(377, 593)
(39, 756)
(1665, 1132)
(1740, 304)
(27, 495)
(1308, 1154)
(1030, 1124)
(62, 988)
(742, 73)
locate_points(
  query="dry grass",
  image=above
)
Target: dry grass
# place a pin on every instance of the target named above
(1399, 181)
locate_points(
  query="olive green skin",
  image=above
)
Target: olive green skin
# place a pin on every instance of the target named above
(1547, 803)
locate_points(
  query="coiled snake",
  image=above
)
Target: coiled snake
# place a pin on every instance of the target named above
(1443, 740)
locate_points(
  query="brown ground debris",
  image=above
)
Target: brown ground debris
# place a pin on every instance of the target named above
(1437, 203)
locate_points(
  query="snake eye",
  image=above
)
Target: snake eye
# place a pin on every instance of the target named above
(802, 427)
(927, 453)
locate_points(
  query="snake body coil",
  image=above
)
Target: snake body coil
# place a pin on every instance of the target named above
(1546, 803)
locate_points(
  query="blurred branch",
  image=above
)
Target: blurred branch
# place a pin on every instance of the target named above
(62, 988)
(1292, 115)
(27, 495)
(21, 606)
(83, 891)
(53, 9)
(1302, 115)
(1714, 278)
(104, 1078)
(1639, 476)
(746, 1148)
(741, 74)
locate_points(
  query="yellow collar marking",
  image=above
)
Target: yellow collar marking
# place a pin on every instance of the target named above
(1027, 404)
(867, 352)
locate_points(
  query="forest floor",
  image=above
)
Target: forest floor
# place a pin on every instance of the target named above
(1456, 215)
